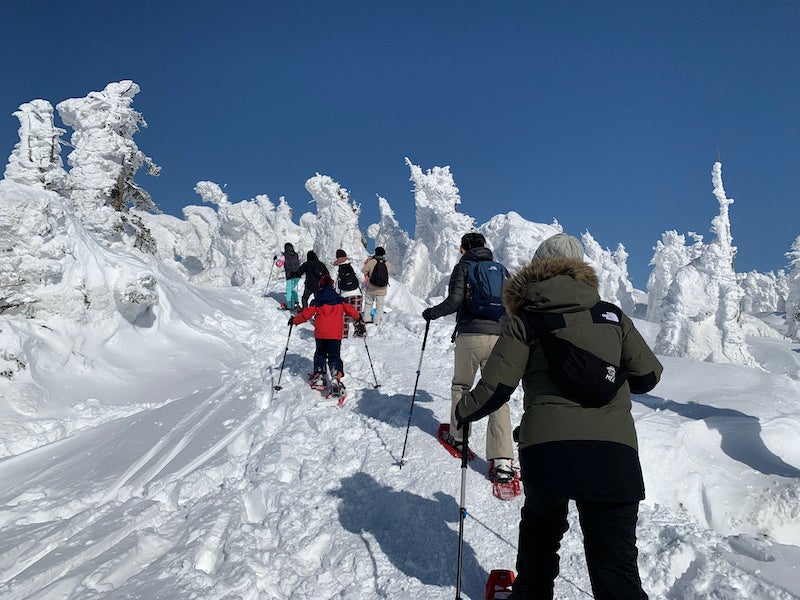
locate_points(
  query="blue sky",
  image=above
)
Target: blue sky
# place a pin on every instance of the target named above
(605, 116)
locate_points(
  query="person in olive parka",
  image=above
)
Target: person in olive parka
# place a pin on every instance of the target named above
(569, 451)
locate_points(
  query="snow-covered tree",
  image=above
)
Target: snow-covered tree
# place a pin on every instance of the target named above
(34, 244)
(702, 308)
(286, 230)
(793, 297)
(36, 159)
(335, 223)
(104, 162)
(671, 254)
(761, 292)
(612, 273)
(394, 239)
(514, 240)
(438, 231)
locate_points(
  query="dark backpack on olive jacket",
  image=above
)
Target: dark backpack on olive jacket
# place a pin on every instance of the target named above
(587, 378)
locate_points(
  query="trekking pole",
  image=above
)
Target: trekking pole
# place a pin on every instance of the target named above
(278, 386)
(414, 395)
(377, 385)
(269, 279)
(462, 507)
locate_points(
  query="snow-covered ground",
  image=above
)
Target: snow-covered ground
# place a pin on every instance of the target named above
(160, 462)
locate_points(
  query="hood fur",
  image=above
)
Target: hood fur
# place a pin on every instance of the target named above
(515, 291)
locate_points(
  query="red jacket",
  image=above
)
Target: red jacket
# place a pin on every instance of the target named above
(329, 324)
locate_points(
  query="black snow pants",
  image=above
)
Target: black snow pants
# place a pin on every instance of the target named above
(609, 531)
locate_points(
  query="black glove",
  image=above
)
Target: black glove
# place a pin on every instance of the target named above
(274, 257)
(291, 321)
(426, 314)
(360, 328)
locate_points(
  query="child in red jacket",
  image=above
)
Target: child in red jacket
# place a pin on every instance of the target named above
(329, 309)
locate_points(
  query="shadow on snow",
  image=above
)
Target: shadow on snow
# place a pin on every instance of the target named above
(741, 434)
(394, 410)
(412, 531)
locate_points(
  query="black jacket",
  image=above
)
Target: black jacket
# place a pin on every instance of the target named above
(314, 270)
(291, 263)
(466, 322)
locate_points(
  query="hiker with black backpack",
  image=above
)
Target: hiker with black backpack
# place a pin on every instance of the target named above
(577, 439)
(314, 270)
(290, 263)
(349, 287)
(376, 285)
(479, 320)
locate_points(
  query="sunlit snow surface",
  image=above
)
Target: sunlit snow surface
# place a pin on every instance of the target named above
(159, 462)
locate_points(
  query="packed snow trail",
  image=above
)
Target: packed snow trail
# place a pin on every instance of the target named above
(235, 490)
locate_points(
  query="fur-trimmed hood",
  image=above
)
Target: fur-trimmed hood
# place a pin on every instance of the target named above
(557, 284)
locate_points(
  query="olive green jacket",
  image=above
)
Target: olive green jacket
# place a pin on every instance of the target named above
(569, 287)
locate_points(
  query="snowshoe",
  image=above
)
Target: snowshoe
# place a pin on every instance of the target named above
(450, 443)
(505, 485)
(317, 382)
(498, 586)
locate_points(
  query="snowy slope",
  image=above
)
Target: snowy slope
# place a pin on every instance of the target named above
(169, 467)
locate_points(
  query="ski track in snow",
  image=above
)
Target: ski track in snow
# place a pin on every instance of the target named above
(241, 491)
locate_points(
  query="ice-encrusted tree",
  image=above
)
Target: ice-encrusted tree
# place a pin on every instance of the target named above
(286, 230)
(104, 162)
(702, 308)
(670, 254)
(438, 231)
(793, 296)
(761, 292)
(334, 225)
(36, 158)
(393, 238)
(34, 245)
(513, 239)
(612, 273)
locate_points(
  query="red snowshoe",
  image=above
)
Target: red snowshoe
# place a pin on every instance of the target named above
(446, 440)
(498, 586)
(504, 490)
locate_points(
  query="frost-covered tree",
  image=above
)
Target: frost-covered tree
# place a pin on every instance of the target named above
(612, 273)
(671, 254)
(393, 238)
(286, 230)
(438, 231)
(239, 238)
(702, 308)
(334, 225)
(36, 159)
(761, 292)
(514, 240)
(793, 296)
(104, 162)
(34, 245)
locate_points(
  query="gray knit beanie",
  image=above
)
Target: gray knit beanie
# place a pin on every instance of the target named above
(560, 244)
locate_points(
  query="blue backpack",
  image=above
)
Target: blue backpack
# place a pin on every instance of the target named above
(484, 297)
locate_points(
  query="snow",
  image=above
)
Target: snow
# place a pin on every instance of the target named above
(160, 462)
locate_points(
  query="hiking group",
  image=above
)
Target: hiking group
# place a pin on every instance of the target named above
(578, 359)
(335, 305)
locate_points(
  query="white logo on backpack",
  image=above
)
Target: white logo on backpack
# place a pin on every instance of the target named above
(611, 373)
(610, 316)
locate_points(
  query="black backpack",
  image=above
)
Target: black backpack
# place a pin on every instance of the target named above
(347, 279)
(380, 274)
(587, 378)
(318, 270)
